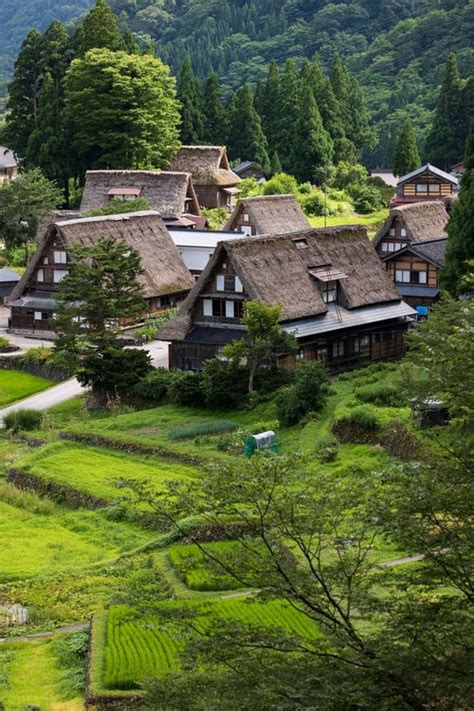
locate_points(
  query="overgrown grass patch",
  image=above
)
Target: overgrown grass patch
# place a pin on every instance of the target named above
(200, 572)
(16, 385)
(204, 428)
(127, 646)
(95, 470)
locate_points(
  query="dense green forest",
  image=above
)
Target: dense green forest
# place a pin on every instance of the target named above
(396, 48)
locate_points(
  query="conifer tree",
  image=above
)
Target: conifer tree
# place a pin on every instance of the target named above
(275, 163)
(246, 137)
(314, 148)
(331, 115)
(445, 140)
(192, 105)
(460, 248)
(24, 91)
(56, 53)
(47, 146)
(405, 155)
(268, 105)
(289, 112)
(353, 107)
(99, 30)
(214, 129)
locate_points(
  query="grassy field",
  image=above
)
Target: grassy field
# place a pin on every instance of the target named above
(95, 470)
(128, 647)
(372, 221)
(198, 572)
(16, 385)
(32, 677)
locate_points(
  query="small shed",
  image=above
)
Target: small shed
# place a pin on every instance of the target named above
(430, 412)
(265, 441)
(8, 280)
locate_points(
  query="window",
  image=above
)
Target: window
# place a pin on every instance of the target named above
(403, 232)
(239, 309)
(422, 188)
(246, 217)
(300, 354)
(229, 309)
(402, 276)
(434, 188)
(365, 341)
(60, 257)
(59, 274)
(392, 232)
(45, 260)
(300, 243)
(391, 246)
(41, 316)
(338, 349)
(40, 275)
(207, 307)
(218, 308)
(329, 292)
(220, 282)
(356, 344)
(239, 287)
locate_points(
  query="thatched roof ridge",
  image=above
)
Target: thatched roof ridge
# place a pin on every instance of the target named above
(164, 270)
(422, 220)
(271, 214)
(274, 269)
(165, 191)
(208, 165)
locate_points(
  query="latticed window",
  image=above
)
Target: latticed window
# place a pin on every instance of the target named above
(329, 292)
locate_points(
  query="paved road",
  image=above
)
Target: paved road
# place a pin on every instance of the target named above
(45, 399)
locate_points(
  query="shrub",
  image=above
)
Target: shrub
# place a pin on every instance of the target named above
(5, 345)
(114, 371)
(362, 417)
(224, 385)
(308, 394)
(315, 204)
(23, 420)
(366, 198)
(204, 428)
(327, 449)
(360, 424)
(381, 394)
(154, 386)
(116, 206)
(39, 355)
(267, 380)
(185, 388)
(281, 184)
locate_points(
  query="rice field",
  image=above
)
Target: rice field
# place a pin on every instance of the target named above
(16, 385)
(95, 470)
(128, 647)
(199, 572)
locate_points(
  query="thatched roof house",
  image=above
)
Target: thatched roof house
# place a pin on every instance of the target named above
(165, 279)
(213, 179)
(267, 215)
(8, 165)
(169, 193)
(329, 282)
(406, 224)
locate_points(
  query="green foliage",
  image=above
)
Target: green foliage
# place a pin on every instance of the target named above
(446, 139)
(23, 420)
(204, 428)
(16, 385)
(246, 138)
(200, 572)
(460, 247)
(405, 155)
(113, 371)
(185, 389)
(27, 500)
(190, 96)
(281, 184)
(361, 419)
(308, 394)
(99, 29)
(154, 386)
(365, 198)
(224, 385)
(313, 145)
(127, 103)
(71, 652)
(381, 394)
(117, 206)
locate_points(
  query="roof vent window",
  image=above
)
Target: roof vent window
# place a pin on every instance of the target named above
(301, 243)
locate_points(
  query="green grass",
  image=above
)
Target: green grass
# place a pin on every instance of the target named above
(128, 647)
(36, 544)
(371, 221)
(199, 572)
(34, 677)
(94, 470)
(16, 385)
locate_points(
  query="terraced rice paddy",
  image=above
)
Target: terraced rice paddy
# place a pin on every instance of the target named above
(16, 385)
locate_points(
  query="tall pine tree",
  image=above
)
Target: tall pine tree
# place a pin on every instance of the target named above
(192, 105)
(215, 116)
(99, 30)
(289, 112)
(24, 92)
(268, 105)
(313, 146)
(460, 248)
(444, 144)
(246, 137)
(405, 155)
(353, 106)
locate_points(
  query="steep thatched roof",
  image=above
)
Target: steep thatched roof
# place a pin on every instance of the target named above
(164, 270)
(208, 165)
(422, 221)
(170, 193)
(277, 270)
(271, 214)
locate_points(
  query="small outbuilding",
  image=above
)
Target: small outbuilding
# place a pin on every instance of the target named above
(8, 165)
(8, 280)
(267, 215)
(250, 169)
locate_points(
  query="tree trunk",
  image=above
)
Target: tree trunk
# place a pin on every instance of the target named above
(253, 370)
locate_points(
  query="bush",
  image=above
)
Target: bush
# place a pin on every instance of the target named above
(315, 204)
(381, 394)
(360, 424)
(327, 449)
(224, 385)
(364, 418)
(154, 386)
(308, 394)
(205, 428)
(365, 198)
(281, 184)
(114, 371)
(23, 420)
(185, 388)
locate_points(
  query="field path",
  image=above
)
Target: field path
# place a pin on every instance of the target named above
(46, 635)
(46, 399)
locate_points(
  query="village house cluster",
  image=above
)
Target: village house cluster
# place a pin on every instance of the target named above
(346, 299)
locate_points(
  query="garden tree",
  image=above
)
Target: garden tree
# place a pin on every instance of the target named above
(405, 155)
(313, 143)
(101, 291)
(192, 105)
(99, 29)
(215, 117)
(246, 138)
(445, 140)
(263, 341)
(121, 111)
(460, 247)
(24, 89)
(47, 147)
(23, 203)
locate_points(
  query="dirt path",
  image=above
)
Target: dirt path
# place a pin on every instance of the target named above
(46, 635)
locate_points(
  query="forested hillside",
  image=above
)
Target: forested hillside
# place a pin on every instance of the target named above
(396, 48)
